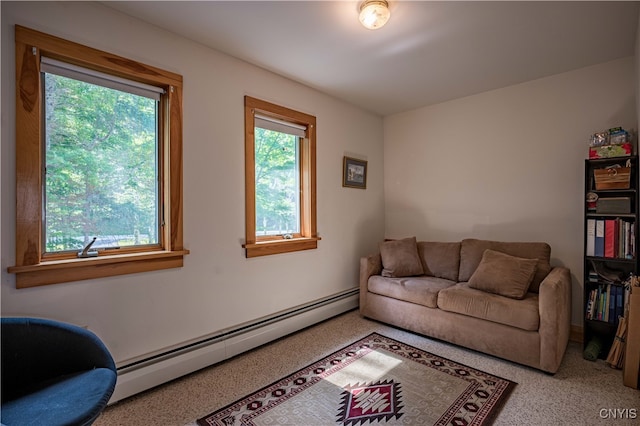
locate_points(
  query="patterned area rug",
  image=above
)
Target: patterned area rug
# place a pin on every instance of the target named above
(376, 380)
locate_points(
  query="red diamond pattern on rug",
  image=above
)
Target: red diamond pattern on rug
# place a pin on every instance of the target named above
(362, 403)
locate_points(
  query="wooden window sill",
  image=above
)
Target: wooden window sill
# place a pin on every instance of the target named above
(59, 271)
(265, 248)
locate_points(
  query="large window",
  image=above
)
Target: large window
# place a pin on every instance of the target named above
(98, 163)
(101, 171)
(280, 179)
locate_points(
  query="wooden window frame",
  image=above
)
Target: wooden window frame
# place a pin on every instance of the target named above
(308, 237)
(32, 267)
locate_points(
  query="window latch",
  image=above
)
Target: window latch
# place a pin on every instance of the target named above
(86, 252)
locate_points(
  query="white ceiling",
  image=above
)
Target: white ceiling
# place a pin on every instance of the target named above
(428, 52)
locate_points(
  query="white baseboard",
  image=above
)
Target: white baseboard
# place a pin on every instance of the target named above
(163, 367)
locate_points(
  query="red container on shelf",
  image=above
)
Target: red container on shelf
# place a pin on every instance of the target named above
(608, 151)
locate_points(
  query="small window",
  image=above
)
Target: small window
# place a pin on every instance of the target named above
(280, 177)
(98, 163)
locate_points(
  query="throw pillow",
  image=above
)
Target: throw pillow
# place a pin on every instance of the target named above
(502, 274)
(400, 258)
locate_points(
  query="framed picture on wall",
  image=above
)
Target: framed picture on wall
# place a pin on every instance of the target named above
(354, 173)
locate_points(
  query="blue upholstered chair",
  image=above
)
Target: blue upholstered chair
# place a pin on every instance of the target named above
(53, 373)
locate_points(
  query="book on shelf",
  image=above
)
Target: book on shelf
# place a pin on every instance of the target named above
(626, 235)
(599, 242)
(619, 310)
(610, 242)
(608, 302)
(590, 304)
(611, 300)
(620, 302)
(605, 303)
(591, 237)
(611, 238)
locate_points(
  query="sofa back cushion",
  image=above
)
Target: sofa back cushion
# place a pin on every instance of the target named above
(471, 251)
(400, 258)
(441, 260)
(503, 274)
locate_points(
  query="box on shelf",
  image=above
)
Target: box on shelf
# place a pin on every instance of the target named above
(612, 178)
(613, 205)
(610, 150)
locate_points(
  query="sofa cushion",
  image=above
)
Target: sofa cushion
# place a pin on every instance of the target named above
(503, 274)
(400, 258)
(440, 260)
(462, 299)
(420, 290)
(471, 252)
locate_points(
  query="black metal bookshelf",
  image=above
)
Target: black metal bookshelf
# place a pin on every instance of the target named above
(617, 262)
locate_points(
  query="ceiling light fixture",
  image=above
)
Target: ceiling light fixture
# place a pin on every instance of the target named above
(374, 13)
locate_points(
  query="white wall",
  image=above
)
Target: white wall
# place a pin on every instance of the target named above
(506, 164)
(218, 287)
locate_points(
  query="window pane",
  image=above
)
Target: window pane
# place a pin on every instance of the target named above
(101, 166)
(277, 183)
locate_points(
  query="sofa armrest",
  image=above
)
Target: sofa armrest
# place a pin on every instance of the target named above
(555, 317)
(369, 265)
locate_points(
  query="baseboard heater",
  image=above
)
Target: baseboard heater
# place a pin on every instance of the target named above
(143, 373)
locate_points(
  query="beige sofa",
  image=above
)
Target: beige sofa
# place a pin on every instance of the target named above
(473, 293)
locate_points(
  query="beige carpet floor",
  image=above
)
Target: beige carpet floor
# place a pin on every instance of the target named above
(581, 393)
